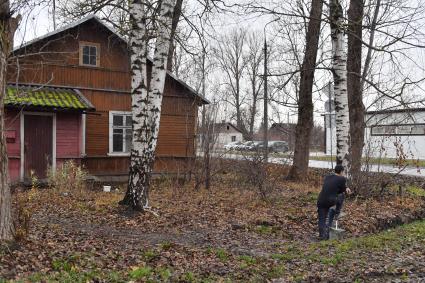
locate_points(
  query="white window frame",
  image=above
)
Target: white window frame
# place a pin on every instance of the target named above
(90, 44)
(111, 133)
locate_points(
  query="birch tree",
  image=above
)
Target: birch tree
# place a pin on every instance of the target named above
(339, 71)
(146, 97)
(8, 26)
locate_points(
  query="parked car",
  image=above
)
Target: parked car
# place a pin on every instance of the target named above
(256, 145)
(244, 146)
(278, 146)
(232, 145)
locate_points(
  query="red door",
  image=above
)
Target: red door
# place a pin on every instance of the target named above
(38, 145)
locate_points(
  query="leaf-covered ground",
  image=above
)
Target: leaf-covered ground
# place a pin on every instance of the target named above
(226, 234)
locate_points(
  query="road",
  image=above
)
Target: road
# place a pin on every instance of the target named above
(409, 171)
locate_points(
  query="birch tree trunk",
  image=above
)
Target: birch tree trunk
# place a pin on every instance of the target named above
(146, 103)
(305, 102)
(8, 26)
(339, 70)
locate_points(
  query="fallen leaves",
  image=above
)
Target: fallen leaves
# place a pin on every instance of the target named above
(227, 232)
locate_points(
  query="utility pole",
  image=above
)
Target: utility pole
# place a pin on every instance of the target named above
(266, 126)
(266, 100)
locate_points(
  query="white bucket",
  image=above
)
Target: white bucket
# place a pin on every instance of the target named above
(107, 189)
(336, 233)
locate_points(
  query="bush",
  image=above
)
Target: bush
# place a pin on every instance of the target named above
(255, 172)
(68, 177)
(25, 209)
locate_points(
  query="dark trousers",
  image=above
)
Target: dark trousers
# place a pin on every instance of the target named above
(328, 212)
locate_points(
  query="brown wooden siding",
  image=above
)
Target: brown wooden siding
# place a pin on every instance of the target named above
(107, 87)
(176, 134)
(97, 134)
(102, 166)
(70, 76)
(106, 101)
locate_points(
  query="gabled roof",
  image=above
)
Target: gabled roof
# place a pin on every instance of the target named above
(46, 98)
(221, 126)
(124, 40)
(67, 27)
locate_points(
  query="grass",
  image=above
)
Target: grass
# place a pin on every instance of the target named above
(222, 255)
(189, 277)
(247, 261)
(416, 191)
(164, 273)
(264, 229)
(150, 255)
(383, 161)
(334, 252)
(140, 273)
(165, 246)
(276, 271)
(372, 160)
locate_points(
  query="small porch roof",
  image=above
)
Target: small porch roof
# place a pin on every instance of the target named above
(46, 98)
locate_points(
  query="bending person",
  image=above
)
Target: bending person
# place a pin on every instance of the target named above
(332, 194)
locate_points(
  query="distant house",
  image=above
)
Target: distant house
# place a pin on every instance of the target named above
(68, 97)
(388, 133)
(226, 132)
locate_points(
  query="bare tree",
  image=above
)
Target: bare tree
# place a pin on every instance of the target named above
(354, 87)
(231, 60)
(208, 137)
(176, 17)
(305, 104)
(255, 59)
(8, 25)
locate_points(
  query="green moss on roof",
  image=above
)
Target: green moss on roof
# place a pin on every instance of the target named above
(45, 97)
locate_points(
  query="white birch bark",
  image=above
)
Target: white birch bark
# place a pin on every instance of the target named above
(339, 70)
(146, 104)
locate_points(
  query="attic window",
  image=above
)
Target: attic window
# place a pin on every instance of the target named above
(228, 128)
(89, 54)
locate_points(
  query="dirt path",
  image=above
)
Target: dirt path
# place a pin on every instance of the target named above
(234, 241)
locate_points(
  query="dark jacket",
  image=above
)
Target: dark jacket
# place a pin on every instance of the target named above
(333, 185)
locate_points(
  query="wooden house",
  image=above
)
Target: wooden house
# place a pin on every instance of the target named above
(69, 97)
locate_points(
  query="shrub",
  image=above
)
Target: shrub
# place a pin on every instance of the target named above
(254, 172)
(25, 210)
(68, 177)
